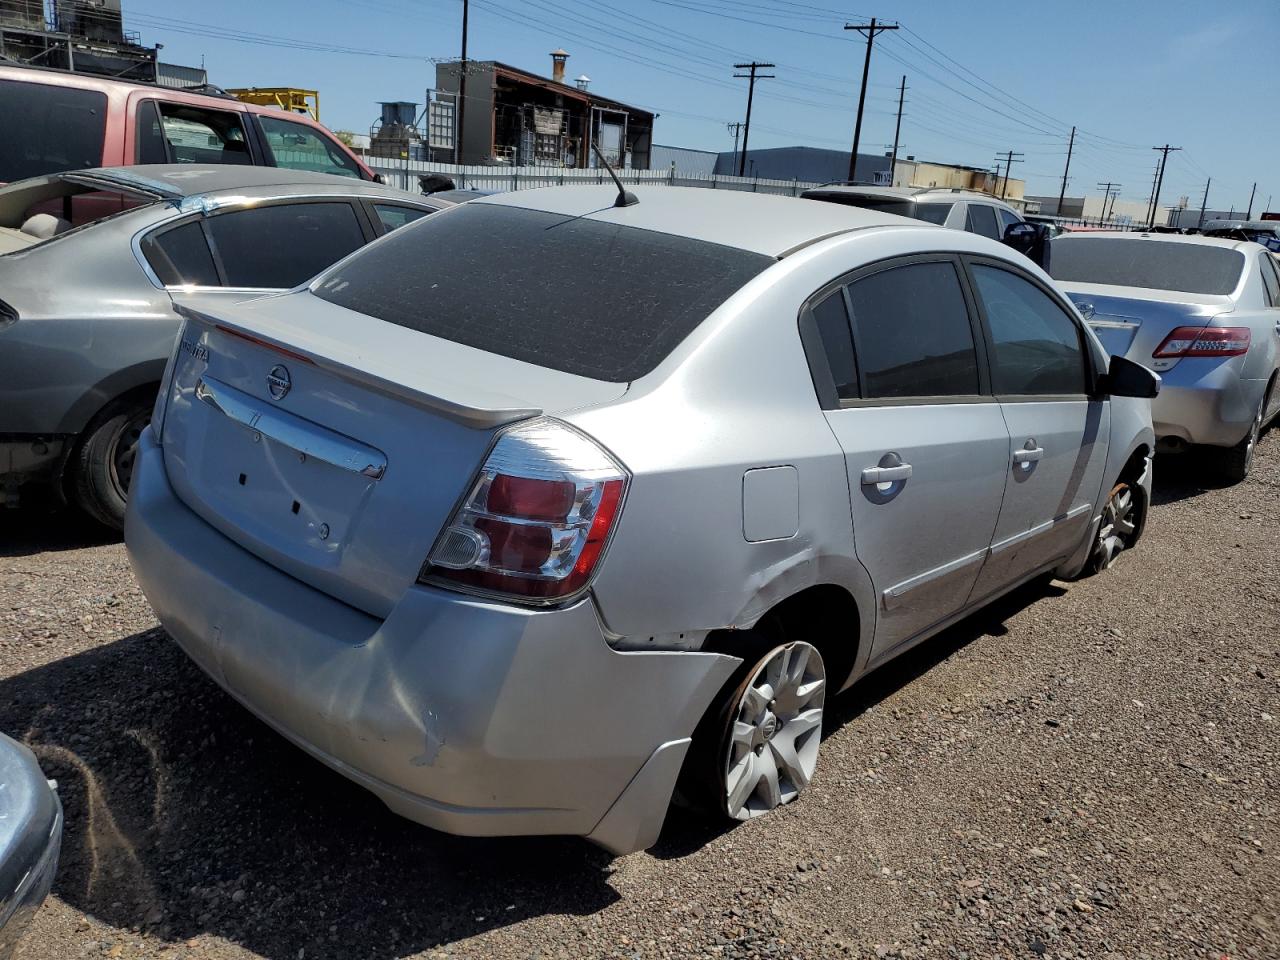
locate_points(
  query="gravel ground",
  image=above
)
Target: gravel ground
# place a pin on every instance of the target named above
(1084, 770)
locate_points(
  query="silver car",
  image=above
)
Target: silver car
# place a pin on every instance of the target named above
(30, 840)
(530, 510)
(88, 262)
(1202, 312)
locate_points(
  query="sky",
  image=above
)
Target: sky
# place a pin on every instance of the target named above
(982, 78)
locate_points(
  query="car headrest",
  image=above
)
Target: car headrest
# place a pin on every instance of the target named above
(45, 225)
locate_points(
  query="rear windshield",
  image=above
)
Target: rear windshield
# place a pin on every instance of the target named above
(580, 296)
(48, 129)
(929, 212)
(1150, 264)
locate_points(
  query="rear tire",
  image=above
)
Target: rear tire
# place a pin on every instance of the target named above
(1236, 462)
(103, 462)
(757, 746)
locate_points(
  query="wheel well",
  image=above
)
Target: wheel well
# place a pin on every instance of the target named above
(146, 390)
(825, 615)
(1134, 465)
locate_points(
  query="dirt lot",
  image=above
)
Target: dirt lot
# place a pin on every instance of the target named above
(1084, 771)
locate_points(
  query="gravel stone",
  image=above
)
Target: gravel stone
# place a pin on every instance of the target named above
(1083, 770)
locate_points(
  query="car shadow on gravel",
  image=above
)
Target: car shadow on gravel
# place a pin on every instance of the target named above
(41, 525)
(686, 832)
(187, 816)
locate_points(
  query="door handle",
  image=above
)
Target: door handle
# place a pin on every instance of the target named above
(1028, 455)
(873, 475)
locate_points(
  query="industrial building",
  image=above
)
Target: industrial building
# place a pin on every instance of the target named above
(85, 36)
(512, 116)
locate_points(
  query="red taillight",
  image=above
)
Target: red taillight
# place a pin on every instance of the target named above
(1204, 342)
(537, 519)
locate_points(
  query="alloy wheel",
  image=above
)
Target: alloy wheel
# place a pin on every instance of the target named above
(775, 731)
(1119, 523)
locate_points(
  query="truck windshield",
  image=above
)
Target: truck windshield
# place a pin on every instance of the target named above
(1149, 264)
(572, 294)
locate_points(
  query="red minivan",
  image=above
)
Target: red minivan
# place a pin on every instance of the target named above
(52, 120)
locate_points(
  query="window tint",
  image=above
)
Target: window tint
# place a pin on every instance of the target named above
(933, 212)
(1150, 264)
(837, 343)
(181, 255)
(149, 134)
(281, 246)
(582, 296)
(912, 333)
(1269, 281)
(980, 218)
(300, 147)
(1007, 219)
(1037, 345)
(48, 129)
(196, 135)
(393, 216)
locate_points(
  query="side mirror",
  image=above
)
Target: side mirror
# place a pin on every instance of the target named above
(379, 178)
(1124, 378)
(1030, 239)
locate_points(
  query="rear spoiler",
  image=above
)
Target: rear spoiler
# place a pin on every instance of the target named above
(482, 409)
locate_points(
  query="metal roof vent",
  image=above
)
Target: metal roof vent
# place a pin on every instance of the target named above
(582, 81)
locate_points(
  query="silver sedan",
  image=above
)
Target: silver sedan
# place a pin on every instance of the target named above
(533, 508)
(88, 262)
(1202, 312)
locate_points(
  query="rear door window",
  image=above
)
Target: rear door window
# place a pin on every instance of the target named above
(282, 245)
(980, 218)
(832, 321)
(48, 129)
(1037, 347)
(394, 215)
(1269, 281)
(581, 296)
(298, 146)
(199, 135)
(182, 256)
(912, 334)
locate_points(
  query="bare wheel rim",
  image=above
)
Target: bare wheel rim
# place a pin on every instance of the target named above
(1119, 522)
(124, 447)
(775, 731)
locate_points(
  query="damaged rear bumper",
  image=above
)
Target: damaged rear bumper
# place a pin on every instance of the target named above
(468, 716)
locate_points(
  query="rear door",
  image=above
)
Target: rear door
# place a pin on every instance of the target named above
(1041, 374)
(925, 444)
(166, 131)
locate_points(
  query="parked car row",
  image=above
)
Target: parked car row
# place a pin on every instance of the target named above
(541, 511)
(81, 358)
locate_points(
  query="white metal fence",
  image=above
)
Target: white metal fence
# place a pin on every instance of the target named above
(404, 174)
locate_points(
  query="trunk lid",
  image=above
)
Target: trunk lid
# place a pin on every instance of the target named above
(333, 445)
(1132, 322)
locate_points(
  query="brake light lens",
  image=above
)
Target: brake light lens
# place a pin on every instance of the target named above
(1204, 342)
(536, 521)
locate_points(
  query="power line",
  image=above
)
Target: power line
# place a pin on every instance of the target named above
(870, 31)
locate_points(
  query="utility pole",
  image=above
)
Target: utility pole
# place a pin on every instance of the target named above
(753, 66)
(1009, 161)
(1062, 194)
(1106, 195)
(1152, 195)
(736, 130)
(1204, 203)
(871, 30)
(897, 129)
(1249, 215)
(462, 89)
(1155, 199)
